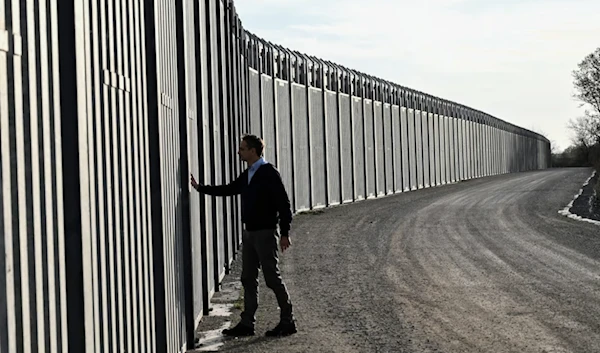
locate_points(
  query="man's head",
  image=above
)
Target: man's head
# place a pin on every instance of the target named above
(251, 148)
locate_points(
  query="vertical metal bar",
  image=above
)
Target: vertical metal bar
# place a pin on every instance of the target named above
(223, 125)
(113, 211)
(444, 145)
(259, 67)
(350, 86)
(419, 141)
(392, 98)
(498, 147)
(494, 161)
(292, 68)
(236, 83)
(466, 141)
(183, 165)
(325, 132)
(490, 145)
(339, 132)
(46, 196)
(383, 137)
(119, 172)
(411, 119)
(200, 45)
(14, 122)
(405, 139)
(19, 116)
(457, 145)
(7, 112)
(436, 141)
(373, 95)
(449, 145)
(145, 262)
(307, 84)
(152, 57)
(388, 134)
(432, 141)
(128, 172)
(400, 164)
(430, 160)
(453, 148)
(227, 128)
(147, 101)
(461, 128)
(274, 77)
(34, 105)
(477, 143)
(363, 93)
(412, 176)
(233, 85)
(463, 142)
(212, 56)
(58, 201)
(134, 174)
(78, 271)
(96, 75)
(424, 140)
(484, 138)
(481, 144)
(485, 141)
(461, 149)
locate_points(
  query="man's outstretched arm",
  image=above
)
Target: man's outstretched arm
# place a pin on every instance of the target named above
(231, 189)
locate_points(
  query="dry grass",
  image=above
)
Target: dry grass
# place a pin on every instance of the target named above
(239, 303)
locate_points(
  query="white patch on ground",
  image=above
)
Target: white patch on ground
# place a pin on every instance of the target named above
(221, 310)
(566, 212)
(212, 340)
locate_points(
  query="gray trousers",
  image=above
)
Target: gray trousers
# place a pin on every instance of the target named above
(260, 250)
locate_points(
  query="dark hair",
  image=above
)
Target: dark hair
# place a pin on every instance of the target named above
(255, 142)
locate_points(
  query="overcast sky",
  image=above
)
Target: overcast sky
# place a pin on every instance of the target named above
(512, 59)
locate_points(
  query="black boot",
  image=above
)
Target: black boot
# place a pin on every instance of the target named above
(282, 329)
(239, 330)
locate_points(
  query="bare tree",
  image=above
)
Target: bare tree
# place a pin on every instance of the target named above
(587, 80)
(587, 85)
(586, 129)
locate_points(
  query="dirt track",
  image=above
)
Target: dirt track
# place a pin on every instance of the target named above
(482, 266)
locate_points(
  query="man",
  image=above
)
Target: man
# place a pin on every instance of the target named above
(264, 203)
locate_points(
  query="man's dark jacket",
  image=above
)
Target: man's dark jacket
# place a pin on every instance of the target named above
(264, 200)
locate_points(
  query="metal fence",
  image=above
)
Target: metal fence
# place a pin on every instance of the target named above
(105, 249)
(356, 137)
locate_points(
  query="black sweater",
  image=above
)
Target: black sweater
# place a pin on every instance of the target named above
(265, 201)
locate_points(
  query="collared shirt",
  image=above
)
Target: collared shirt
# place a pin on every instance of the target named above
(255, 167)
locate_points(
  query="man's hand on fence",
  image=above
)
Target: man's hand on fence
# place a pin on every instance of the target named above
(195, 184)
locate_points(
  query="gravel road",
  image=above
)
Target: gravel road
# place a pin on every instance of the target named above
(486, 265)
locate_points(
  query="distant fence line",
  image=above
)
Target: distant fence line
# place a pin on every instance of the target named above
(339, 135)
(106, 107)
